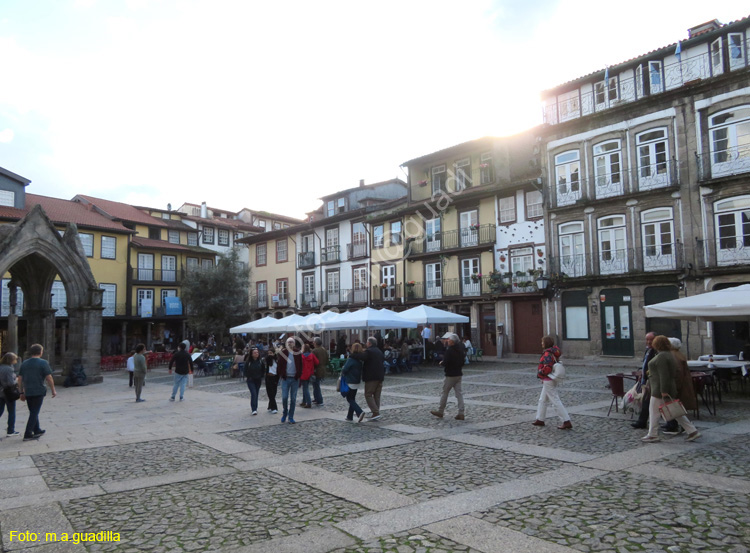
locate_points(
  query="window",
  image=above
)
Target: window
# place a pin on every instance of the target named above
(238, 236)
(438, 179)
(109, 299)
(521, 260)
(733, 230)
(165, 216)
(207, 264)
(192, 238)
(276, 226)
(208, 235)
(736, 51)
(534, 208)
(167, 293)
(145, 298)
(88, 243)
(730, 141)
(471, 284)
(463, 174)
(359, 241)
(331, 208)
(377, 236)
(359, 276)
(109, 247)
(261, 223)
(606, 93)
(281, 251)
(260, 255)
(5, 309)
(658, 238)
(612, 245)
(286, 225)
(262, 294)
(332, 287)
(469, 228)
(173, 236)
(607, 169)
(308, 289)
(568, 177)
(433, 280)
(575, 315)
(282, 292)
(717, 57)
(331, 252)
(59, 299)
(7, 198)
(432, 235)
(654, 77)
(341, 205)
(169, 268)
(191, 264)
(388, 278)
(223, 237)
(653, 152)
(145, 266)
(395, 233)
(572, 249)
(486, 169)
(154, 233)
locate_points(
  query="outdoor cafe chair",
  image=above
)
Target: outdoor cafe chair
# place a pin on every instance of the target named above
(617, 387)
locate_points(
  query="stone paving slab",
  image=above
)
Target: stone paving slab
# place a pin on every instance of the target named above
(427, 469)
(68, 469)
(531, 397)
(617, 512)
(730, 458)
(217, 513)
(417, 540)
(38, 520)
(419, 416)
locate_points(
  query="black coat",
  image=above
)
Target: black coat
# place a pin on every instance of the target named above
(373, 369)
(454, 360)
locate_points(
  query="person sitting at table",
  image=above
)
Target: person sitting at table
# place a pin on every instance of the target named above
(238, 364)
(661, 375)
(684, 382)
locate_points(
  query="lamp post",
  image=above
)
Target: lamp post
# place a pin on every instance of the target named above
(543, 283)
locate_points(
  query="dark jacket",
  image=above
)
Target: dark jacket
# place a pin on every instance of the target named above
(453, 361)
(372, 359)
(341, 346)
(182, 362)
(322, 355)
(254, 370)
(661, 374)
(281, 363)
(351, 372)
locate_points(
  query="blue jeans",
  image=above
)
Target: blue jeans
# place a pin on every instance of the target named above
(305, 392)
(11, 413)
(253, 384)
(180, 381)
(353, 407)
(288, 385)
(35, 405)
(317, 395)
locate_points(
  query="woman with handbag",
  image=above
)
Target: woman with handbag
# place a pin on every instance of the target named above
(662, 371)
(351, 377)
(550, 356)
(272, 381)
(254, 371)
(9, 390)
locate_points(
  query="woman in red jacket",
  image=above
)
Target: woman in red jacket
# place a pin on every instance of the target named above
(309, 362)
(550, 356)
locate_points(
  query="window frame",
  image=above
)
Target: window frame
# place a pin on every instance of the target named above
(575, 299)
(438, 177)
(462, 177)
(258, 285)
(264, 247)
(486, 169)
(80, 234)
(6, 195)
(192, 238)
(103, 248)
(658, 167)
(658, 217)
(395, 238)
(612, 176)
(222, 238)
(139, 300)
(716, 56)
(529, 207)
(173, 236)
(207, 234)
(741, 47)
(285, 250)
(572, 231)
(601, 231)
(378, 238)
(103, 286)
(503, 220)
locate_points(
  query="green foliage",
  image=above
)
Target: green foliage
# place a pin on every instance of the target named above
(217, 298)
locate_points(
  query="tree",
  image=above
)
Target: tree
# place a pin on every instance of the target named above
(217, 298)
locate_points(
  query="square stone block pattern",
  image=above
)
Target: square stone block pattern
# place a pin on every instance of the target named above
(728, 458)
(623, 512)
(531, 397)
(429, 469)
(421, 417)
(214, 514)
(80, 467)
(416, 540)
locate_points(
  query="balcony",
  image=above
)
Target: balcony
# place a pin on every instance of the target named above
(723, 252)
(724, 163)
(259, 302)
(157, 276)
(306, 260)
(114, 310)
(310, 300)
(448, 240)
(449, 288)
(664, 257)
(331, 254)
(390, 293)
(356, 251)
(280, 300)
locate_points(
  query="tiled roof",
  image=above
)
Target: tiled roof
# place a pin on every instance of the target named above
(223, 223)
(164, 245)
(121, 211)
(366, 187)
(62, 211)
(178, 225)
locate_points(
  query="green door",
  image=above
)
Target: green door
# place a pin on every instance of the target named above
(617, 322)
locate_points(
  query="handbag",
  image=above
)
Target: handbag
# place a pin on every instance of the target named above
(338, 384)
(190, 380)
(672, 409)
(344, 387)
(558, 371)
(11, 393)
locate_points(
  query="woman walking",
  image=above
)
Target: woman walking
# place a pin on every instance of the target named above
(662, 371)
(254, 371)
(309, 361)
(351, 373)
(272, 381)
(550, 356)
(8, 379)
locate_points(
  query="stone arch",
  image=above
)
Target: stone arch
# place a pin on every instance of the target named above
(34, 253)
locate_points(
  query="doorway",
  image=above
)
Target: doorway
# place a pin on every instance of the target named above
(527, 326)
(488, 330)
(617, 322)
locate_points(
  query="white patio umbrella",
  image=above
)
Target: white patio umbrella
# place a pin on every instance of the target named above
(250, 327)
(729, 304)
(369, 318)
(424, 314)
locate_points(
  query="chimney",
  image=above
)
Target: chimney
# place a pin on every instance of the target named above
(361, 183)
(204, 210)
(703, 28)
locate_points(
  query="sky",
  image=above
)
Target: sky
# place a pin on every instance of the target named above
(271, 105)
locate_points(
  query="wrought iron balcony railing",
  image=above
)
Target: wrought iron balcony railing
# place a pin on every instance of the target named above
(306, 260)
(310, 300)
(356, 251)
(724, 163)
(331, 254)
(449, 288)
(172, 276)
(388, 293)
(649, 258)
(115, 310)
(724, 252)
(467, 237)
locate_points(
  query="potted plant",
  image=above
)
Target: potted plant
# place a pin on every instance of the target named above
(423, 182)
(384, 286)
(476, 277)
(411, 283)
(475, 226)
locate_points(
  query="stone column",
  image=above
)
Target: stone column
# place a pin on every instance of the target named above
(41, 330)
(63, 339)
(12, 342)
(124, 338)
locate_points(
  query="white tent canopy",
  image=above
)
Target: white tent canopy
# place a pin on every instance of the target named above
(369, 318)
(729, 304)
(249, 328)
(424, 314)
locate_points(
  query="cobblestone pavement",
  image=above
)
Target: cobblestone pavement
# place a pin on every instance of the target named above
(205, 475)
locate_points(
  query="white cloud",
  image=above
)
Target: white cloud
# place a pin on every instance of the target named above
(6, 136)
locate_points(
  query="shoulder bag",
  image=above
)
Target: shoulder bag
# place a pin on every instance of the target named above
(11, 393)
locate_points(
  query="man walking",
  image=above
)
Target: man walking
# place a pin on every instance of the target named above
(373, 373)
(33, 374)
(453, 361)
(289, 363)
(649, 354)
(183, 364)
(139, 371)
(320, 370)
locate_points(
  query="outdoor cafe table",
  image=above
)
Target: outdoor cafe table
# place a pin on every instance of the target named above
(718, 357)
(740, 367)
